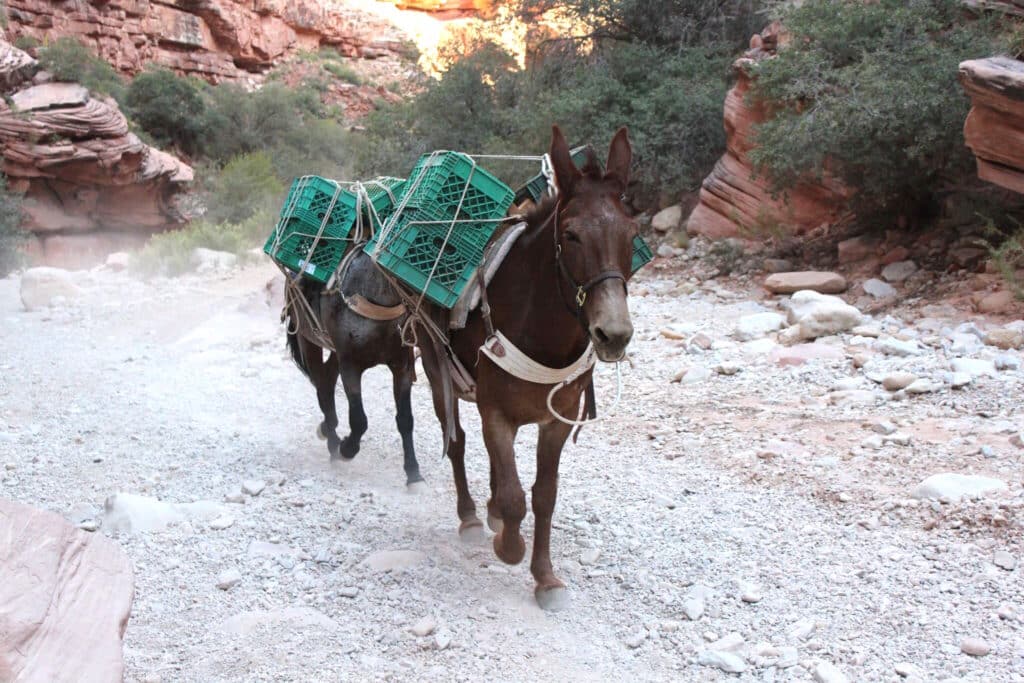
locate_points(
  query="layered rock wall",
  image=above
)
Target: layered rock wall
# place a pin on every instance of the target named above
(994, 129)
(90, 185)
(214, 39)
(733, 201)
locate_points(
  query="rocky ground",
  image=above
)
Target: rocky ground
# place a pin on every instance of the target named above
(752, 507)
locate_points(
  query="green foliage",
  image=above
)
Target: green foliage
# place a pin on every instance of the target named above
(670, 99)
(170, 253)
(26, 43)
(344, 72)
(1006, 249)
(868, 90)
(12, 237)
(168, 107)
(69, 60)
(247, 185)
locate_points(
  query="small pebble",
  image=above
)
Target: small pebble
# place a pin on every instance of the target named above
(229, 578)
(424, 627)
(442, 639)
(253, 487)
(222, 523)
(975, 647)
(1004, 560)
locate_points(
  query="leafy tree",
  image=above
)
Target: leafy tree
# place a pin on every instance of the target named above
(248, 184)
(868, 90)
(168, 107)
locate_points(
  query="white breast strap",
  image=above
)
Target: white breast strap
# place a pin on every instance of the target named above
(506, 356)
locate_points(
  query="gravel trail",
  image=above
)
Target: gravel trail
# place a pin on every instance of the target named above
(732, 527)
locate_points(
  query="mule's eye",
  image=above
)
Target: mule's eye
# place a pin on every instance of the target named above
(572, 237)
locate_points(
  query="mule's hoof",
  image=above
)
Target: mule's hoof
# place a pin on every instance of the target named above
(509, 555)
(320, 433)
(334, 451)
(471, 531)
(495, 524)
(552, 598)
(416, 488)
(347, 451)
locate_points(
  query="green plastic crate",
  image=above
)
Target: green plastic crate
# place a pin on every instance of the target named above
(308, 202)
(642, 254)
(537, 187)
(432, 195)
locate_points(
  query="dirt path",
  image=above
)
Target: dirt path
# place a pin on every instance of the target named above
(745, 501)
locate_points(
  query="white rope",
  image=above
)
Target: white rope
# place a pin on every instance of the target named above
(578, 422)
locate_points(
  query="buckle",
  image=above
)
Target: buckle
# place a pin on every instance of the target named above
(581, 297)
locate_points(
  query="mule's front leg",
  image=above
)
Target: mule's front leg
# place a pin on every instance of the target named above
(509, 500)
(550, 591)
(352, 380)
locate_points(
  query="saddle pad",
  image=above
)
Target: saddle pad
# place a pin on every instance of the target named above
(494, 255)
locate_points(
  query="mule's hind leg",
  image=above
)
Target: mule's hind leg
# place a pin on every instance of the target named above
(470, 527)
(550, 591)
(402, 374)
(352, 381)
(324, 376)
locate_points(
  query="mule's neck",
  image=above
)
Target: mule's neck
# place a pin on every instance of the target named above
(530, 305)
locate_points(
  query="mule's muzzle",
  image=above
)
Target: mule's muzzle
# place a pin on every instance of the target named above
(610, 339)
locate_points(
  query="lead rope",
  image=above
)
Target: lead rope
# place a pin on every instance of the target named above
(564, 383)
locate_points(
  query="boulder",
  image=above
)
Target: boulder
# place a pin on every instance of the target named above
(668, 219)
(856, 249)
(1005, 338)
(819, 315)
(878, 289)
(996, 302)
(954, 486)
(899, 271)
(817, 281)
(66, 597)
(994, 129)
(43, 286)
(758, 325)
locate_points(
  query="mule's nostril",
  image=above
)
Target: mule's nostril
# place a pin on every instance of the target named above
(601, 336)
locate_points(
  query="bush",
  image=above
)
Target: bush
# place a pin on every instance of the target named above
(869, 91)
(247, 185)
(69, 60)
(170, 253)
(344, 72)
(12, 237)
(168, 107)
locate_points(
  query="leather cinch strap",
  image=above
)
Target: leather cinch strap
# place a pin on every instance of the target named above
(366, 308)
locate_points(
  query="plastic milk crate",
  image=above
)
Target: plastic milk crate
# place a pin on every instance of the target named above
(421, 246)
(313, 202)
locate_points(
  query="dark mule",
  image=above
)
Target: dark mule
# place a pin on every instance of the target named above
(537, 302)
(360, 343)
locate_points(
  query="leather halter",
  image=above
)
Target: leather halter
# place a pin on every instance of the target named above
(580, 291)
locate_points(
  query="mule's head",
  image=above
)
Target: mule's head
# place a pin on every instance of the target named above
(595, 241)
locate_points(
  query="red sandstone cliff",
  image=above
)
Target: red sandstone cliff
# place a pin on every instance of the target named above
(90, 185)
(733, 203)
(213, 39)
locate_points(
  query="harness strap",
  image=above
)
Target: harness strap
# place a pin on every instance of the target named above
(509, 358)
(366, 308)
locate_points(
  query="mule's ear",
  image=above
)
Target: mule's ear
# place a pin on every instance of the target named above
(620, 158)
(566, 173)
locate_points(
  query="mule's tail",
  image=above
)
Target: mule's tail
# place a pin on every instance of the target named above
(291, 328)
(293, 346)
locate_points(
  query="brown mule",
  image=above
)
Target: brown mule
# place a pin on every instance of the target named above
(561, 288)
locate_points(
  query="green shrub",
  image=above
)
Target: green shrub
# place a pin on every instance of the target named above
(247, 185)
(170, 108)
(69, 60)
(344, 72)
(170, 253)
(26, 43)
(12, 237)
(868, 90)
